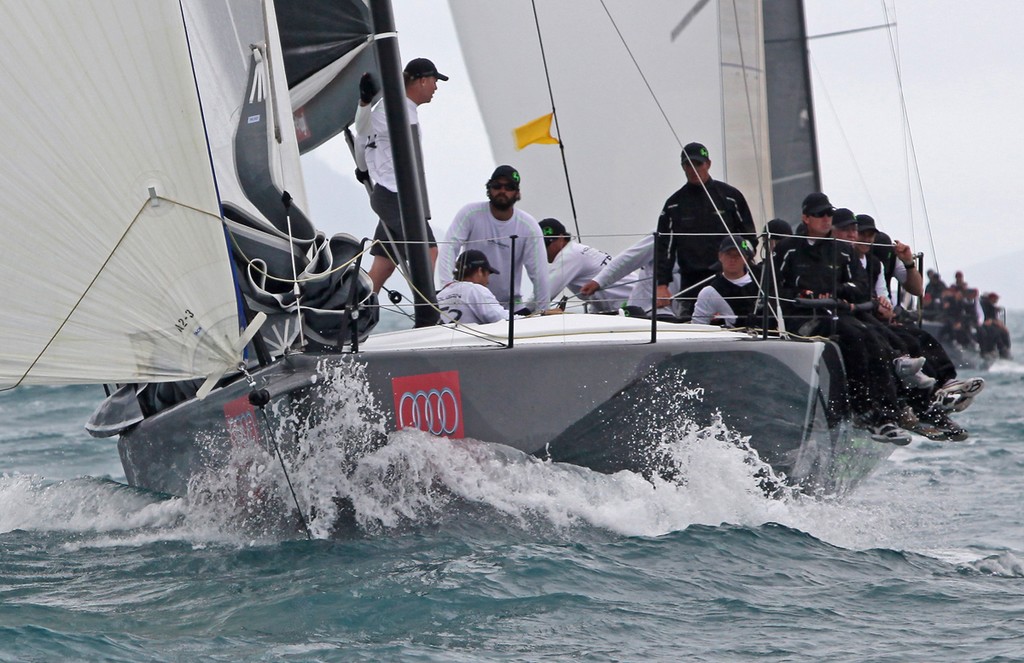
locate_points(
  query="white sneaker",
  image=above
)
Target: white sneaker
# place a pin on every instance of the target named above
(890, 432)
(918, 381)
(906, 366)
(957, 395)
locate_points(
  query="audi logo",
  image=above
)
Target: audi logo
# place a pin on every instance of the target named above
(435, 411)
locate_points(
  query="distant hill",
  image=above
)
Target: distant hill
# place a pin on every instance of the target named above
(1001, 274)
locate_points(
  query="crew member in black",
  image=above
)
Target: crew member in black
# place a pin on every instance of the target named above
(815, 267)
(731, 297)
(704, 206)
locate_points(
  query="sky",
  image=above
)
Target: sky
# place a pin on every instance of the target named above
(956, 197)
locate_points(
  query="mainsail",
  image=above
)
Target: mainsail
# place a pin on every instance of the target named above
(115, 267)
(631, 85)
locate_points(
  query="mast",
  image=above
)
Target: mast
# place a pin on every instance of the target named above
(407, 167)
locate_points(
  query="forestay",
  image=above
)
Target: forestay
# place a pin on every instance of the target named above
(115, 265)
(703, 61)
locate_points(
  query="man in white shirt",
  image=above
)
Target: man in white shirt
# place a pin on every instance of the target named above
(421, 77)
(488, 227)
(467, 298)
(635, 266)
(573, 265)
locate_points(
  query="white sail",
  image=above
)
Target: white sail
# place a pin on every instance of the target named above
(115, 262)
(703, 61)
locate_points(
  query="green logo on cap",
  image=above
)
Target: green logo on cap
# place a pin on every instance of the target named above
(548, 230)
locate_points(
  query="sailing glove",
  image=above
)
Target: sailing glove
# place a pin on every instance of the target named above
(367, 88)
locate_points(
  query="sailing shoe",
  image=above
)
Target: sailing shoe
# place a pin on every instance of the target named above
(929, 430)
(889, 432)
(956, 395)
(940, 420)
(907, 419)
(918, 381)
(906, 366)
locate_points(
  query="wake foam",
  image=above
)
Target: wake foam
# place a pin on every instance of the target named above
(81, 505)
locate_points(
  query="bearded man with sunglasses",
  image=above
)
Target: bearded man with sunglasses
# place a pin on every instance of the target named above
(489, 227)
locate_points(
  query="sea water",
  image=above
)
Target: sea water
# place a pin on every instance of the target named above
(464, 552)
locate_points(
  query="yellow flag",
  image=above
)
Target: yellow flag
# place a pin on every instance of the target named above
(536, 131)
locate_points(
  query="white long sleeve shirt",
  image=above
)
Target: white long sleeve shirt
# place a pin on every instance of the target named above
(638, 258)
(474, 227)
(464, 301)
(577, 264)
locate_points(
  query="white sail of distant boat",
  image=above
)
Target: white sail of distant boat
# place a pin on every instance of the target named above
(113, 242)
(703, 62)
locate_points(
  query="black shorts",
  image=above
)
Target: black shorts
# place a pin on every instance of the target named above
(385, 203)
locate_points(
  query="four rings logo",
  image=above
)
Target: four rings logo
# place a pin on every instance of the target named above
(430, 402)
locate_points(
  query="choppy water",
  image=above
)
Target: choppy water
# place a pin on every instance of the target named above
(471, 553)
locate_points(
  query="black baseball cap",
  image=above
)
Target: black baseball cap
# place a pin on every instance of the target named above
(730, 243)
(508, 172)
(552, 228)
(471, 259)
(421, 68)
(696, 153)
(865, 223)
(780, 227)
(815, 204)
(843, 218)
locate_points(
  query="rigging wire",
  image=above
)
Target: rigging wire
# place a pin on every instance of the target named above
(756, 144)
(554, 115)
(910, 151)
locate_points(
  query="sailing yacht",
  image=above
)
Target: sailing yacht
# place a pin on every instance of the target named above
(167, 211)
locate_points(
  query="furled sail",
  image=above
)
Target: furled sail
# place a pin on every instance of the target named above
(631, 86)
(115, 267)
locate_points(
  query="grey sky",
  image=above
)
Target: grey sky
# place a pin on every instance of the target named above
(961, 77)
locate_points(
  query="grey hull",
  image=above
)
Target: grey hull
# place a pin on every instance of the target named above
(602, 406)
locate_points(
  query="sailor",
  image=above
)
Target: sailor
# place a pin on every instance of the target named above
(467, 298)
(635, 266)
(421, 77)
(895, 259)
(778, 230)
(814, 267)
(488, 227)
(573, 265)
(693, 221)
(731, 297)
(993, 335)
(867, 272)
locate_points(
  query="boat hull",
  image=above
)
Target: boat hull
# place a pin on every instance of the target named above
(608, 406)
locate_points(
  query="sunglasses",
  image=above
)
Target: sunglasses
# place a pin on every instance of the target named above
(821, 214)
(507, 186)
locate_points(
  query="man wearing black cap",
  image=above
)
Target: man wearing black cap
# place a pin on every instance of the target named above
(731, 297)
(693, 221)
(421, 77)
(467, 298)
(817, 267)
(573, 265)
(488, 227)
